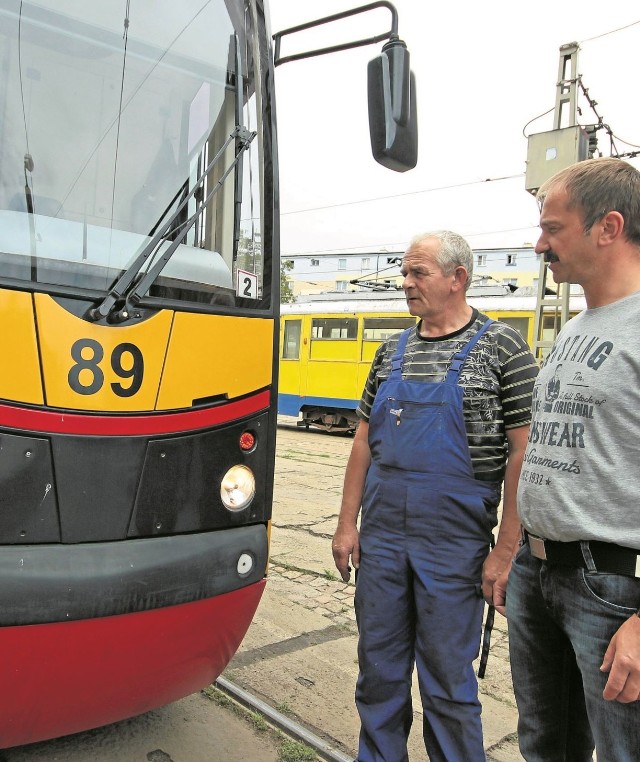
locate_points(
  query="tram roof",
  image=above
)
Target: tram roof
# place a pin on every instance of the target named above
(361, 303)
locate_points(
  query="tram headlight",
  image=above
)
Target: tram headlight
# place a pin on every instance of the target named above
(238, 488)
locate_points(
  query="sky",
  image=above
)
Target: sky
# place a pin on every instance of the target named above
(484, 73)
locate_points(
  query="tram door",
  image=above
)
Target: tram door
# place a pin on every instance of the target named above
(291, 377)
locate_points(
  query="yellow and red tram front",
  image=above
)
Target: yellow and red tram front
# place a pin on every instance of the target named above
(138, 332)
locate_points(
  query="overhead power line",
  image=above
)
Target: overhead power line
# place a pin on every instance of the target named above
(613, 31)
(399, 195)
(463, 184)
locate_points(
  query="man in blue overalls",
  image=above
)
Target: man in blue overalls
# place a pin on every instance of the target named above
(444, 421)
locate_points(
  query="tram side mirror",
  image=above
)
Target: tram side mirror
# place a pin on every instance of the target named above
(393, 123)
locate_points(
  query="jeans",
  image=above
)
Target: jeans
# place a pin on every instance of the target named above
(561, 620)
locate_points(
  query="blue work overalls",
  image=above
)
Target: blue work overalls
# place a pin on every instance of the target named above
(425, 532)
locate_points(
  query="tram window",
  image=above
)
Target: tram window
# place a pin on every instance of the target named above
(334, 328)
(521, 324)
(170, 133)
(379, 329)
(550, 326)
(291, 341)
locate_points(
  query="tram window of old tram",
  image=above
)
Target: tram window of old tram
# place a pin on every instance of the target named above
(379, 329)
(550, 326)
(291, 340)
(521, 324)
(334, 328)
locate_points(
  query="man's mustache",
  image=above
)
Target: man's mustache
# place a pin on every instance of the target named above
(551, 256)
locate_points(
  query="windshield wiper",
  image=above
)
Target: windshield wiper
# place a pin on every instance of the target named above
(122, 288)
(237, 193)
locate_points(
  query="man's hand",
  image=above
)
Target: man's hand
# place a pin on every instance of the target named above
(500, 591)
(494, 576)
(345, 546)
(622, 662)
(346, 540)
(498, 562)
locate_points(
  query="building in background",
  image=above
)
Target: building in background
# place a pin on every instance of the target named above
(358, 271)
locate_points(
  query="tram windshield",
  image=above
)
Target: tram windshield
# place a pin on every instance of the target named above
(130, 143)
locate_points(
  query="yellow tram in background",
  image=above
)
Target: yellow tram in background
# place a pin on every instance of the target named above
(327, 345)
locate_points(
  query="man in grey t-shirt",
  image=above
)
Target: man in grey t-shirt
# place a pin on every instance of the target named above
(574, 587)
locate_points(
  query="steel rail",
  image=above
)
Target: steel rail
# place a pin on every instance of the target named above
(281, 721)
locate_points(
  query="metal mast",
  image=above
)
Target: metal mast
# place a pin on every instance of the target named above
(552, 312)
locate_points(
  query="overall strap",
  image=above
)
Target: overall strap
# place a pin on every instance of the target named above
(453, 374)
(396, 360)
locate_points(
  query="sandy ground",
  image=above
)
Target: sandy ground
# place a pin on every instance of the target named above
(194, 729)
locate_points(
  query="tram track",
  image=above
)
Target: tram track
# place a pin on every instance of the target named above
(279, 720)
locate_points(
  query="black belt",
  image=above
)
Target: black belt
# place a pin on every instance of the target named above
(607, 557)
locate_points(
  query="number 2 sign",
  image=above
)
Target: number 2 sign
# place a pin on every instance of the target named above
(246, 284)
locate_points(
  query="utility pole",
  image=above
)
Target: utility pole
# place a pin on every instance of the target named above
(548, 153)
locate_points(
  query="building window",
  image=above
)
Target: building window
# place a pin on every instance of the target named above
(511, 260)
(510, 281)
(341, 285)
(342, 264)
(315, 262)
(482, 260)
(366, 263)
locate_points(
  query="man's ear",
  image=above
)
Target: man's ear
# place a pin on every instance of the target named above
(611, 227)
(461, 278)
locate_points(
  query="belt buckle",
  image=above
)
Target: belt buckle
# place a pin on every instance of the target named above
(537, 547)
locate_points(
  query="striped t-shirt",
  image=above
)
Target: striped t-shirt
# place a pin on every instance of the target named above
(497, 378)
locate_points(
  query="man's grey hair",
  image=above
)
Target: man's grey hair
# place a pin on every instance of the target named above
(454, 252)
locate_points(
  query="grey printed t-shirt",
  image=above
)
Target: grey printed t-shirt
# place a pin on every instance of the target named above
(579, 479)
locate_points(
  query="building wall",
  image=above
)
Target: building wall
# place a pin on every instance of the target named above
(333, 272)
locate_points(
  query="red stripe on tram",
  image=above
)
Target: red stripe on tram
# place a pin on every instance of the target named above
(50, 422)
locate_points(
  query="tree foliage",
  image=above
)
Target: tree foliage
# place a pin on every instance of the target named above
(286, 286)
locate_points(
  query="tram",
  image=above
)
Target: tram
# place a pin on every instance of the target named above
(139, 307)
(138, 331)
(327, 345)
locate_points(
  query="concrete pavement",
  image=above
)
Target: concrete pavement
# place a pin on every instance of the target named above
(332, 600)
